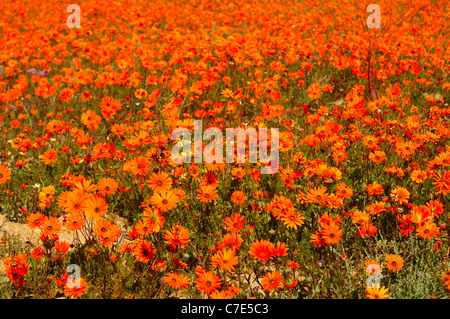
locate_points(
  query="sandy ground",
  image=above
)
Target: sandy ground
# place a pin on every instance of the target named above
(8, 228)
(26, 234)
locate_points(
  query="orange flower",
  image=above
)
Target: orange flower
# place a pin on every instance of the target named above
(176, 281)
(35, 220)
(232, 290)
(360, 217)
(164, 201)
(207, 193)
(62, 247)
(233, 240)
(38, 253)
(280, 250)
(91, 120)
(108, 237)
(141, 93)
(107, 186)
(95, 207)
(367, 229)
(84, 185)
(102, 226)
(139, 166)
(377, 156)
(143, 251)
(371, 142)
(394, 263)
(314, 91)
(271, 280)
(75, 202)
(343, 191)
(374, 189)
(405, 149)
(331, 234)
(194, 171)
(153, 219)
(427, 230)
(405, 224)
(339, 156)
(418, 176)
(262, 250)
(238, 197)
(160, 182)
(238, 173)
(317, 195)
(317, 239)
(292, 219)
(234, 223)
(51, 226)
(372, 267)
(400, 195)
(208, 282)
(446, 276)
(109, 107)
(144, 228)
(220, 295)
(74, 221)
(442, 183)
(75, 287)
(177, 236)
(436, 208)
(16, 268)
(377, 293)
(49, 156)
(225, 259)
(5, 174)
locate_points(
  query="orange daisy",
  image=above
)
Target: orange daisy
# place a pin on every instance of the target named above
(377, 293)
(5, 174)
(208, 282)
(74, 221)
(427, 230)
(107, 186)
(49, 156)
(238, 197)
(262, 250)
(271, 280)
(164, 201)
(75, 287)
(143, 251)
(207, 193)
(176, 281)
(394, 262)
(160, 182)
(225, 259)
(51, 226)
(35, 220)
(95, 207)
(177, 236)
(234, 223)
(331, 233)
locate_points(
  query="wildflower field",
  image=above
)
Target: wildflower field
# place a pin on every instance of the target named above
(358, 204)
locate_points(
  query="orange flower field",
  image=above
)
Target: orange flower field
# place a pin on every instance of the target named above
(358, 206)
